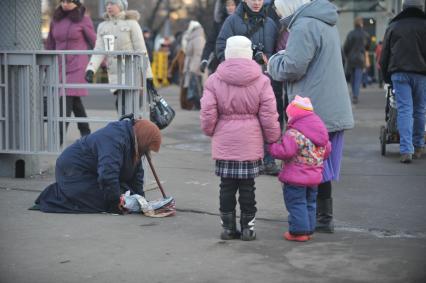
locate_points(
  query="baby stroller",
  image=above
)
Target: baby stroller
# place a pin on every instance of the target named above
(389, 133)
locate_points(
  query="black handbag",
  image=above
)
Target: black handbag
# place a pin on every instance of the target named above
(161, 113)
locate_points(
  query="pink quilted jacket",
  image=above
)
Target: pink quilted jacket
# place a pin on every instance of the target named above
(238, 110)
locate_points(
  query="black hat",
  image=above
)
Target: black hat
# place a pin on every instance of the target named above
(76, 2)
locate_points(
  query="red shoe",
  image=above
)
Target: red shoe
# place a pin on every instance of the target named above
(297, 238)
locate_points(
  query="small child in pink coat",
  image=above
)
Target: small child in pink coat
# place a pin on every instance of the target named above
(305, 145)
(238, 110)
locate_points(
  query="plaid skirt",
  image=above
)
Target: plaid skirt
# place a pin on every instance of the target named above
(238, 169)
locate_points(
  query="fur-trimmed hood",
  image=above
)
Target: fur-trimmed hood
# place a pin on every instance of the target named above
(75, 15)
(124, 15)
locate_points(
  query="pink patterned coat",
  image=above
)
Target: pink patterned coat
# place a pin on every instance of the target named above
(304, 147)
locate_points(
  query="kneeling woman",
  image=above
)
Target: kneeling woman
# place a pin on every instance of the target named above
(90, 171)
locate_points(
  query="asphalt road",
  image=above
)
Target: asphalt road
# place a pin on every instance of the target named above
(379, 207)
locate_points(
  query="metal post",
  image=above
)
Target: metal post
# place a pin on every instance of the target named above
(20, 27)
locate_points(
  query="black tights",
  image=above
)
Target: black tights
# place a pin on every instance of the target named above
(228, 190)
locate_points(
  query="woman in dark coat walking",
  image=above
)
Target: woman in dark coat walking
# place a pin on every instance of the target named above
(91, 172)
(71, 29)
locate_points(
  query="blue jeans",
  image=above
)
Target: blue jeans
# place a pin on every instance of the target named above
(410, 93)
(356, 81)
(301, 204)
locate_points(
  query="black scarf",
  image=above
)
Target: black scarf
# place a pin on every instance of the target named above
(251, 16)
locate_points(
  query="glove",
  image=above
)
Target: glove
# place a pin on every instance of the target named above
(122, 205)
(89, 76)
(203, 65)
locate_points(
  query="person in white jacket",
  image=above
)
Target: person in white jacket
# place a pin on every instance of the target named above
(119, 32)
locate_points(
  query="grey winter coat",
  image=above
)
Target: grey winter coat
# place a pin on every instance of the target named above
(312, 64)
(240, 24)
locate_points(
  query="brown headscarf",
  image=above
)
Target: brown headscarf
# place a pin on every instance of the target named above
(148, 137)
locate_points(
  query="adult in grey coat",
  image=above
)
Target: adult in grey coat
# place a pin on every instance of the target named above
(312, 66)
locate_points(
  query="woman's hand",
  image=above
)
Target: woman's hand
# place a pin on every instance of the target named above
(122, 205)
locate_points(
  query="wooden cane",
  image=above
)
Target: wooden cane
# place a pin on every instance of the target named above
(148, 157)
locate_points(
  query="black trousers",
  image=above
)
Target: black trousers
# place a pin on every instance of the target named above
(324, 190)
(73, 104)
(123, 102)
(277, 87)
(246, 199)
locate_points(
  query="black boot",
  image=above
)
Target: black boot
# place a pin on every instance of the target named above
(325, 222)
(247, 227)
(229, 225)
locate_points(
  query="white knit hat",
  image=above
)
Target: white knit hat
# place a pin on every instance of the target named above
(287, 7)
(413, 3)
(238, 47)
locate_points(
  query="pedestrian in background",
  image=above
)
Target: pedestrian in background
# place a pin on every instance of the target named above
(71, 29)
(354, 49)
(303, 148)
(378, 53)
(403, 65)
(238, 110)
(251, 20)
(316, 71)
(193, 49)
(175, 71)
(223, 8)
(149, 42)
(119, 32)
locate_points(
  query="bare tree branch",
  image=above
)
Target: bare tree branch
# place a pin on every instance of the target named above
(154, 14)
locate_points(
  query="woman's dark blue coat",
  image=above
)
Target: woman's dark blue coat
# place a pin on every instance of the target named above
(89, 172)
(239, 23)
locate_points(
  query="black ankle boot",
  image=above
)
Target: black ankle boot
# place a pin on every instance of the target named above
(247, 227)
(229, 225)
(324, 214)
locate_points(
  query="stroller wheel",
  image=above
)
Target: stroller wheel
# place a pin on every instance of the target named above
(383, 140)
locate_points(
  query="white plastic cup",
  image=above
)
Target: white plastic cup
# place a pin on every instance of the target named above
(109, 42)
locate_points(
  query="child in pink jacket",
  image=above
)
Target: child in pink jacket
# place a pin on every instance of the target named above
(304, 147)
(238, 110)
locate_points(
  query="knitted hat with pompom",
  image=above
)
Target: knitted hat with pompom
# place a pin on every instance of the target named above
(300, 106)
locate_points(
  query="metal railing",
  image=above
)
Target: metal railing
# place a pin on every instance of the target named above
(32, 115)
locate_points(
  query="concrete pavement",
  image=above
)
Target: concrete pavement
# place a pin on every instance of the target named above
(379, 210)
